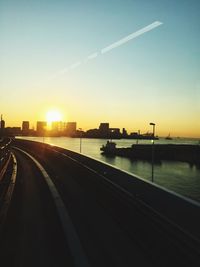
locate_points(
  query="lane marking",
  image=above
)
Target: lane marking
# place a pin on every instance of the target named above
(8, 196)
(78, 254)
(3, 170)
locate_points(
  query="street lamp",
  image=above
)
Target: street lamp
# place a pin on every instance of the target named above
(138, 136)
(153, 124)
(152, 155)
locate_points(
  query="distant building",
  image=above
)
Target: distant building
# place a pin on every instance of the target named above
(92, 133)
(12, 131)
(114, 133)
(104, 129)
(41, 127)
(71, 128)
(2, 123)
(25, 126)
(124, 133)
(55, 126)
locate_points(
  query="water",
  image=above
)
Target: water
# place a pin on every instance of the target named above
(180, 177)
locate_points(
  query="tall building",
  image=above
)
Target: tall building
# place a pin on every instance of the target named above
(124, 132)
(71, 128)
(25, 126)
(57, 126)
(104, 129)
(41, 127)
(2, 123)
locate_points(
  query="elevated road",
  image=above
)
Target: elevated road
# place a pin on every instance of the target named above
(106, 224)
(32, 230)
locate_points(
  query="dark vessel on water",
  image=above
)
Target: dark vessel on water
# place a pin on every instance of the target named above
(168, 137)
(172, 152)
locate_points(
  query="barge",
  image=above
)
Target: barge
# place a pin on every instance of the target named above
(172, 152)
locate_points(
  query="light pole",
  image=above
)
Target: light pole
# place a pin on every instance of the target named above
(152, 156)
(138, 136)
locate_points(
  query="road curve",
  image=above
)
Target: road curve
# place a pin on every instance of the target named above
(113, 227)
(32, 235)
(77, 252)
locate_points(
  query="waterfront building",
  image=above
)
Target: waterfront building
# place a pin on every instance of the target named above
(2, 123)
(25, 126)
(104, 129)
(124, 133)
(41, 127)
(71, 128)
(114, 133)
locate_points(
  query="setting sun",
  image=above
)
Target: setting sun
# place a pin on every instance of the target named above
(53, 115)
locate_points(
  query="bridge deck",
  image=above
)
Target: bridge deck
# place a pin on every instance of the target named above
(119, 220)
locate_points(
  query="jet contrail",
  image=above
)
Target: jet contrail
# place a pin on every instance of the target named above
(75, 65)
(122, 41)
(131, 36)
(92, 56)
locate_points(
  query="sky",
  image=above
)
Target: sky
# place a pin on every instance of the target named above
(155, 77)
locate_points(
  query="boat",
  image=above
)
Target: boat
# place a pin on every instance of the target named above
(168, 137)
(172, 152)
(109, 147)
(145, 136)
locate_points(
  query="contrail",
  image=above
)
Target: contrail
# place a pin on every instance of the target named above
(75, 65)
(122, 41)
(131, 36)
(92, 56)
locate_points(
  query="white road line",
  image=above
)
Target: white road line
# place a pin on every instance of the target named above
(80, 259)
(9, 192)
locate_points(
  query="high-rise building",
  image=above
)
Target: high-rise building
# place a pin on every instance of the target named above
(41, 127)
(71, 128)
(124, 132)
(2, 123)
(57, 126)
(25, 126)
(104, 129)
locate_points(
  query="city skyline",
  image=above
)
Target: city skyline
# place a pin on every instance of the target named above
(73, 129)
(54, 56)
(70, 129)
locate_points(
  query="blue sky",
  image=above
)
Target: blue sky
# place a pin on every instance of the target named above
(154, 77)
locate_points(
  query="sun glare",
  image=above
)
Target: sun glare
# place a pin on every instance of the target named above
(53, 115)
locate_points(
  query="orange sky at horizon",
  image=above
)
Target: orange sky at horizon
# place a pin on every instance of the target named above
(171, 127)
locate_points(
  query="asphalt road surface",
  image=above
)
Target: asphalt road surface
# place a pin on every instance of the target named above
(111, 229)
(32, 235)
